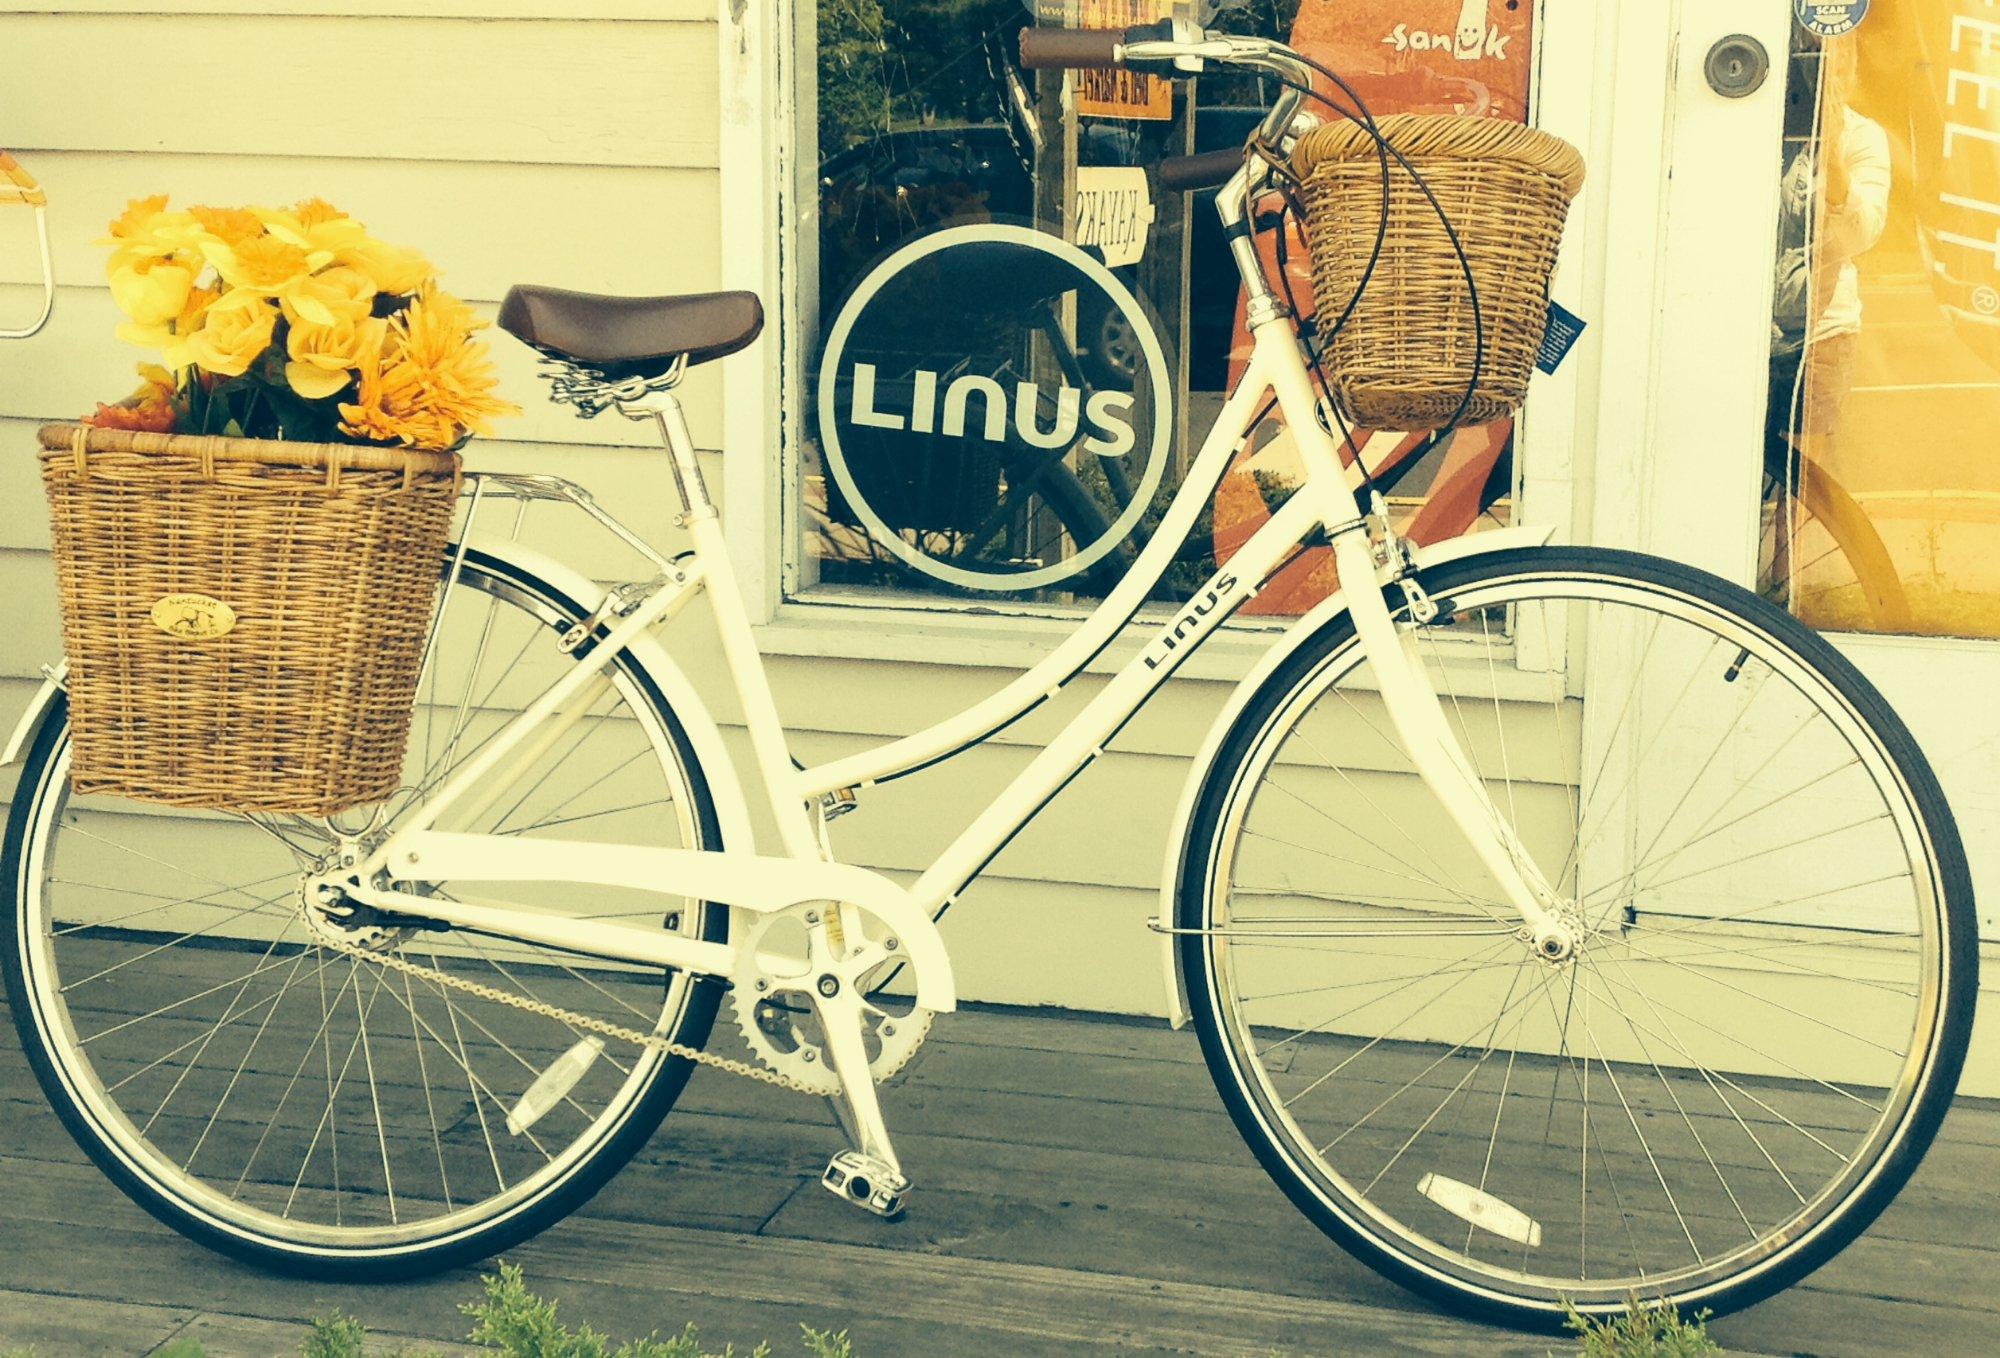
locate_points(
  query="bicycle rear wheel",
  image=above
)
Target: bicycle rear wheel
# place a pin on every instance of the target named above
(282, 1100)
(1763, 1022)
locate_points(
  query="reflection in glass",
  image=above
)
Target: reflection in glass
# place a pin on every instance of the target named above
(1880, 490)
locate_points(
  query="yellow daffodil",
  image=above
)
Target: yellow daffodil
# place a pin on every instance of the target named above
(235, 329)
(233, 226)
(156, 385)
(146, 231)
(135, 219)
(263, 264)
(393, 269)
(323, 355)
(331, 295)
(314, 226)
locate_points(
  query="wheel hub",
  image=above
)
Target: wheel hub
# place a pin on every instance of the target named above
(1558, 940)
(332, 916)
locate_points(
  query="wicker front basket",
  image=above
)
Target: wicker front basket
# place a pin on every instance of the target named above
(1405, 356)
(244, 619)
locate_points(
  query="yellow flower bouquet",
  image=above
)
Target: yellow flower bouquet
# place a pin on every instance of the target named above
(292, 323)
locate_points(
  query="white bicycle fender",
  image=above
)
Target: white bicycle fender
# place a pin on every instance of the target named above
(38, 711)
(1477, 544)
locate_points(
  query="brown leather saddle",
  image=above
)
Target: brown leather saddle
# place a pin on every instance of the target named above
(625, 337)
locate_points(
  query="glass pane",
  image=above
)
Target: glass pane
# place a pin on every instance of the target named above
(1882, 497)
(926, 123)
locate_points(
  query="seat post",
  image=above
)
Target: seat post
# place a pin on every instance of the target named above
(665, 412)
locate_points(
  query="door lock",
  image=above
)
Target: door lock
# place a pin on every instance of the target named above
(1737, 66)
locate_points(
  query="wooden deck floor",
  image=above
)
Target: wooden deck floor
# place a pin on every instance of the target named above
(1120, 1217)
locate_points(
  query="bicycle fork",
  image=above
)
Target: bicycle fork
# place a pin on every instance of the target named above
(1441, 761)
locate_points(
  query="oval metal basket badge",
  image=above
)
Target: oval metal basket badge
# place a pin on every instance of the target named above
(193, 617)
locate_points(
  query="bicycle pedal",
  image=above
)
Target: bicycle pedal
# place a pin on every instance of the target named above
(867, 1183)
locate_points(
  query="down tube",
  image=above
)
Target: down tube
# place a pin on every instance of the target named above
(1084, 739)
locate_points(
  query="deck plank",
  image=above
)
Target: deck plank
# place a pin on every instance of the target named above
(1080, 1192)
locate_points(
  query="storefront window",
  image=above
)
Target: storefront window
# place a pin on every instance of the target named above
(927, 124)
(1882, 494)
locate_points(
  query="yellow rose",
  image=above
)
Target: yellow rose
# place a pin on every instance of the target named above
(391, 268)
(339, 293)
(321, 355)
(234, 331)
(151, 291)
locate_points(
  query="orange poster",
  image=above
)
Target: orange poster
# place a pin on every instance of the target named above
(1470, 57)
(1121, 93)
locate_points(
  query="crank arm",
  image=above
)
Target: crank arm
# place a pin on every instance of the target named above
(840, 1021)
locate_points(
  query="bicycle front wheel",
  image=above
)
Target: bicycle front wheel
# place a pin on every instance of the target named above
(272, 1095)
(1762, 1022)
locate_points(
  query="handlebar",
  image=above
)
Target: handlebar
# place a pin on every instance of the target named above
(1072, 49)
(1206, 170)
(1174, 48)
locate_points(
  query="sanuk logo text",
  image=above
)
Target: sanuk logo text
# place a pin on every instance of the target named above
(1107, 412)
(1474, 37)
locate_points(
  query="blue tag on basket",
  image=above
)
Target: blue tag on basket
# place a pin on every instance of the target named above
(1557, 337)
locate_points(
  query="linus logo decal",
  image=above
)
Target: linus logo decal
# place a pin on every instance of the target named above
(948, 418)
(1108, 412)
(1191, 621)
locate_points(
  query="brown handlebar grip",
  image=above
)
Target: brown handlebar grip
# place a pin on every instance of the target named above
(1184, 174)
(20, 186)
(1070, 49)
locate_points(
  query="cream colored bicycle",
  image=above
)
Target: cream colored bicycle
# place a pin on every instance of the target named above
(1558, 923)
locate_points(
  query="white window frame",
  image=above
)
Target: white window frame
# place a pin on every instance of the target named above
(769, 196)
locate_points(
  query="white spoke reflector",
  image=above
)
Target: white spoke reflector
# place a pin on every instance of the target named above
(554, 1084)
(1482, 1209)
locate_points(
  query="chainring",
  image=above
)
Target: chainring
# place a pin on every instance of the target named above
(771, 996)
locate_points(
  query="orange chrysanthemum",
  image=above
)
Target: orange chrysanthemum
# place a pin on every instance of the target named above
(427, 383)
(150, 408)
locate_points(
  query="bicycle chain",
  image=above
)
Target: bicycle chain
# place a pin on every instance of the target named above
(570, 1017)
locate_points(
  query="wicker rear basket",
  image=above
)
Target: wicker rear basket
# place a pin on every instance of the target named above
(244, 619)
(1405, 356)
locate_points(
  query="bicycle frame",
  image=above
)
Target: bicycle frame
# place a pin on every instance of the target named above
(421, 851)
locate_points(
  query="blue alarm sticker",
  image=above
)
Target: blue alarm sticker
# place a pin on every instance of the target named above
(1830, 18)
